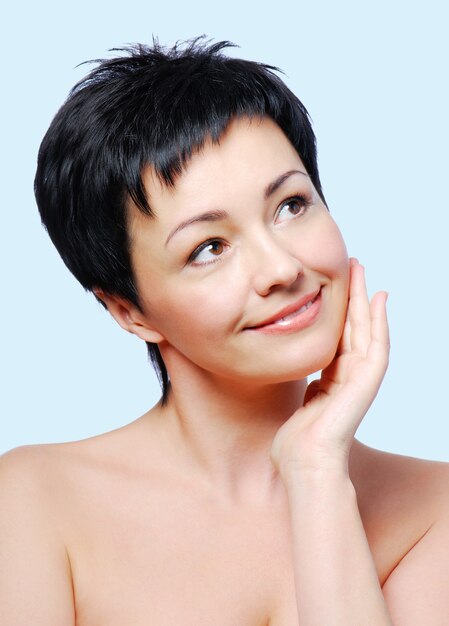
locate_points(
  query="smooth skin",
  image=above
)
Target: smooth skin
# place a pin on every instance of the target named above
(246, 499)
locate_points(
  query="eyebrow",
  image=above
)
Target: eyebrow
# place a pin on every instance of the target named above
(220, 215)
(272, 187)
(208, 216)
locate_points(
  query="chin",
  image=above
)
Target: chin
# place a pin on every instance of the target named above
(288, 369)
(311, 362)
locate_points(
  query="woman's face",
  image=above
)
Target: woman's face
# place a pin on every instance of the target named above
(241, 241)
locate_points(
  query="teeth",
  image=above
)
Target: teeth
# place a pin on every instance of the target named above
(301, 310)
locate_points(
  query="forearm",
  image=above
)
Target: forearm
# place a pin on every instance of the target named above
(335, 576)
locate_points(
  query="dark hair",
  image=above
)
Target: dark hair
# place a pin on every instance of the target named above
(151, 105)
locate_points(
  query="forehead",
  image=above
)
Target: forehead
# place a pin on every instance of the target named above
(250, 151)
(248, 156)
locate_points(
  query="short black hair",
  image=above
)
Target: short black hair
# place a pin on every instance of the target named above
(151, 105)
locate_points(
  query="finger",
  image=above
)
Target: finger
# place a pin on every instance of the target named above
(379, 348)
(344, 345)
(359, 310)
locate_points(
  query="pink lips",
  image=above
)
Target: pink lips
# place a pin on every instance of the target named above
(295, 319)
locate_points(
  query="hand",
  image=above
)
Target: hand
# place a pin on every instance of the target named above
(319, 435)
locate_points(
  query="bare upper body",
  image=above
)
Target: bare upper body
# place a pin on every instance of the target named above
(181, 517)
(233, 504)
(113, 531)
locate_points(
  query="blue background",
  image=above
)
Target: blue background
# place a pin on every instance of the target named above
(374, 78)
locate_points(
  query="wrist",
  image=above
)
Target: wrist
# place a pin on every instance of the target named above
(315, 476)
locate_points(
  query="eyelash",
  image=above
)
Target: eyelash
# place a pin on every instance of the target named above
(200, 248)
(304, 202)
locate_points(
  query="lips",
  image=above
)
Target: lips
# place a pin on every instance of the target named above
(290, 310)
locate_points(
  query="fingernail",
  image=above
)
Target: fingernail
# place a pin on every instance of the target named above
(353, 261)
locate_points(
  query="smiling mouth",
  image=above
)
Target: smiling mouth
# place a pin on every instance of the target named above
(285, 319)
(293, 317)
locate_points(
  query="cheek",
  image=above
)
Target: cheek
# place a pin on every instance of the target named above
(335, 264)
(332, 256)
(328, 256)
(202, 312)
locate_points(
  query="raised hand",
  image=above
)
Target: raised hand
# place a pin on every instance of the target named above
(319, 435)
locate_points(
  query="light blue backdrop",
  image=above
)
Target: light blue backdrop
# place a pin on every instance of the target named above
(374, 78)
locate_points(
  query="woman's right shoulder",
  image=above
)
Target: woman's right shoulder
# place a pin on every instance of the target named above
(27, 465)
(45, 478)
(36, 464)
(53, 472)
(35, 572)
(35, 480)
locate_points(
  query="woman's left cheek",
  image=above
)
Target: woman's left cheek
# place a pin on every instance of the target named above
(332, 257)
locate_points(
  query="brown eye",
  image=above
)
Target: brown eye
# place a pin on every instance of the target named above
(207, 251)
(291, 208)
(216, 247)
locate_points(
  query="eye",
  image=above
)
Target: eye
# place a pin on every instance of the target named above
(292, 208)
(207, 252)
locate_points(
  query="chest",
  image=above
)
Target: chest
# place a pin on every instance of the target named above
(178, 562)
(171, 558)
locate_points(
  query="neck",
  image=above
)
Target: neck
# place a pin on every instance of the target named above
(221, 431)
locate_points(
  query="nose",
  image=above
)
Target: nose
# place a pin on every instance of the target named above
(274, 266)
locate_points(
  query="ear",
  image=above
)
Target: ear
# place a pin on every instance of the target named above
(129, 317)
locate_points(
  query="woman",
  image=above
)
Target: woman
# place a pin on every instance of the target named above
(181, 187)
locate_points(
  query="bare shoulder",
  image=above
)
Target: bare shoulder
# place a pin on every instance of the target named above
(405, 504)
(50, 465)
(30, 472)
(403, 479)
(61, 480)
(36, 478)
(400, 499)
(39, 470)
(48, 495)
(35, 574)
